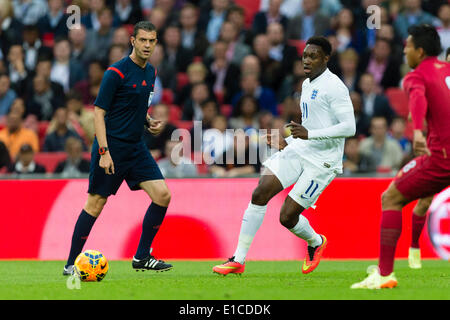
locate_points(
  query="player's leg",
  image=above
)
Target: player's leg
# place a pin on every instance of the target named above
(267, 188)
(159, 193)
(418, 221)
(298, 224)
(92, 209)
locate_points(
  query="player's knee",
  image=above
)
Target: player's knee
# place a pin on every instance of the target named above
(287, 220)
(260, 196)
(162, 198)
(387, 199)
(95, 205)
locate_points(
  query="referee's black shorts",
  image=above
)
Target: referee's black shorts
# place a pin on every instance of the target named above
(132, 163)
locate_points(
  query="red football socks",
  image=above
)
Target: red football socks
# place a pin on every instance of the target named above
(391, 228)
(417, 227)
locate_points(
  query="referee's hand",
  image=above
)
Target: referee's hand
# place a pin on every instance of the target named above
(107, 163)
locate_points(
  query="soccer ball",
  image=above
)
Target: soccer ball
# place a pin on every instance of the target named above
(91, 265)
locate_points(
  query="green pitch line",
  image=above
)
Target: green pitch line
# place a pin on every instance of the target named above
(194, 280)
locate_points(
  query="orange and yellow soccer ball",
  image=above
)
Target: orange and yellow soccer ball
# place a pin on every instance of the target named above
(91, 265)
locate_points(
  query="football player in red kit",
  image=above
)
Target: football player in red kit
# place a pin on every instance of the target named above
(428, 88)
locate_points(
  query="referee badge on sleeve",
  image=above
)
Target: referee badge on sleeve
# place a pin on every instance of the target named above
(150, 97)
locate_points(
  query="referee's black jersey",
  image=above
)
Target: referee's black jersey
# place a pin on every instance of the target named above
(124, 94)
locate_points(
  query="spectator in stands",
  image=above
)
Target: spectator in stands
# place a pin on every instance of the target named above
(80, 116)
(175, 54)
(250, 64)
(171, 10)
(387, 33)
(65, 70)
(5, 160)
(43, 99)
(382, 65)
(236, 15)
(236, 51)
(32, 47)
(444, 28)
(77, 38)
(25, 163)
(15, 135)
(196, 73)
(156, 144)
(117, 52)
(209, 110)
(291, 111)
(10, 28)
(241, 161)
(216, 140)
(75, 165)
(175, 164)
(292, 83)
(265, 120)
(54, 23)
(89, 88)
(212, 20)
(361, 118)
(354, 161)
(347, 34)
(244, 116)
(310, 23)
(279, 50)
(397, 132)
(7, 95)
(91, 20)
(272, 72)
(192, 38)
(384, 151)
(262, 19)
(28, 12)
(59, 131)
(447, 55)
(99, 41)
(121, 37)
(128, 12)
(374, 104)
(222, 74)
(16, 68)
(250, 85)
(412, 14)
(159, 18)
(192, 107)
(166, 71)
(348, 65)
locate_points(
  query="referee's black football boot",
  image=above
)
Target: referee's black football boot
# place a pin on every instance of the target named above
(151, 263)
(68, 270)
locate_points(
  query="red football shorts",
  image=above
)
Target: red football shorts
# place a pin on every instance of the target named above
(423, 176)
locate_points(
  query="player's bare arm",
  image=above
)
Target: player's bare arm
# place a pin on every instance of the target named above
(106, 161)
(420, 144)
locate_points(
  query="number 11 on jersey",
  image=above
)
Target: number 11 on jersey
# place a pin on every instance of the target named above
(304, 111)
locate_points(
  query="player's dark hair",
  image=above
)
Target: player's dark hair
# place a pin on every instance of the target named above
(447, 52)
(143, 25)
(426, 37)
(321, 42)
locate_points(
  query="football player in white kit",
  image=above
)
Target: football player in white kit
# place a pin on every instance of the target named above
(311, 158)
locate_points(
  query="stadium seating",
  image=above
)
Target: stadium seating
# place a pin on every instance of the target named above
(226, 110)
(167, 96)
(51, 159)
(182, 80)
(174, 113)
(251, 8)
(299, 44)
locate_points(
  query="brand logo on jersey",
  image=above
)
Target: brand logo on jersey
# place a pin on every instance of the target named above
(314, 94)
(144, 84)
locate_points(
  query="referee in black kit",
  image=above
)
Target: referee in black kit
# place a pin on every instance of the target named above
(119, 153)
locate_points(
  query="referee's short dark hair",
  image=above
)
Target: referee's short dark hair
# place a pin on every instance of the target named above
(321, 42)
(143, 25)
(426, 37)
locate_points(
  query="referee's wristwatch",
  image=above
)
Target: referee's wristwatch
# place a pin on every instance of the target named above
(102, 150)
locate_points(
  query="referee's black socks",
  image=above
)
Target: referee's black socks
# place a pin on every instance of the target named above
(80, 234)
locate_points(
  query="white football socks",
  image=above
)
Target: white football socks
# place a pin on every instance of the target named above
(251, 221)
(304, 231)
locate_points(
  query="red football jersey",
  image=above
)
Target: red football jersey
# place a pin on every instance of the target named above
(428, 88)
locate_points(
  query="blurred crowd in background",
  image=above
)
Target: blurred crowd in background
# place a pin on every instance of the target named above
(229, 64)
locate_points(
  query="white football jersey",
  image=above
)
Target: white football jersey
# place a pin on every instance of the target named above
(321, 101)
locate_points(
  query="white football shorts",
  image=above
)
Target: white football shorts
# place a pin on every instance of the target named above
(310, 180)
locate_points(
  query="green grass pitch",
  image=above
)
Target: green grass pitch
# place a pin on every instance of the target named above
(194, 280)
